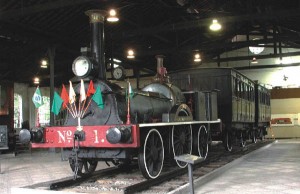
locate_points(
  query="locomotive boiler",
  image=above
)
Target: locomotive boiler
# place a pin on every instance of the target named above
(152, 126)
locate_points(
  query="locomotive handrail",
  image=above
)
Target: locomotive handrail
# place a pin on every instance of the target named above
(178, 123)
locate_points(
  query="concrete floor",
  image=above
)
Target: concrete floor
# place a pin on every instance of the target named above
(269, 170)
(31, 168)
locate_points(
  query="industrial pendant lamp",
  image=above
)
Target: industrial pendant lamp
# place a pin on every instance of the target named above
(215, 26)
(44, 63)
(112, 16)
(197, 57)
(36, 80)
(130, 54)
(254, 60)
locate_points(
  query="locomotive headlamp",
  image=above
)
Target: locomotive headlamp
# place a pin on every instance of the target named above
(83, 66)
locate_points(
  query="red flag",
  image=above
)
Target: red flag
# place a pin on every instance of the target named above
(64, 95)
(91, 90)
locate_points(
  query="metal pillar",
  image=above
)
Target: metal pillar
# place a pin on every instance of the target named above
(51, 55)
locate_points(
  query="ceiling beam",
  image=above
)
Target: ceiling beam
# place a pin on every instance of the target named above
(205, 22)
(250, 57)
(267, 66)
(25, 11)
(213, 46)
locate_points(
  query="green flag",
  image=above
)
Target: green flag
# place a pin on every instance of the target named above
(56, 104)
(37, 98)
(97, 97)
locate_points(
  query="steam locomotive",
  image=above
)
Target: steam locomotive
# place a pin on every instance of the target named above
(153, 126)
(161, 121)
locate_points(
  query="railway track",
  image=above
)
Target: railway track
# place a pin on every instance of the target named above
(129, 179)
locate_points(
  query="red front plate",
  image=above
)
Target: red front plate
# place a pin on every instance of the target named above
(95, 136)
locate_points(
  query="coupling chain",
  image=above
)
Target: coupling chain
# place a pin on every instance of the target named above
(75, 152)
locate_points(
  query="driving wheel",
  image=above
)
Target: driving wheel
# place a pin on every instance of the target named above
(202, 142)
(151, 155)
(85, 166)
(181, 142)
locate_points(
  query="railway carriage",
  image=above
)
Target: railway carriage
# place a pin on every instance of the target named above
(243, 105)
(262, 111)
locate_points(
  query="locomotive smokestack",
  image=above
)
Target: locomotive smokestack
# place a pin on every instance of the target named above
(97, 39)
(160, 63)
(161, 70)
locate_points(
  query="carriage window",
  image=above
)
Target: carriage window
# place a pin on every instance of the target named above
(242, 90)
(233, 86)
(247, 92)
(18, 114)
(252, 93)
(238, 88)
(236, 85)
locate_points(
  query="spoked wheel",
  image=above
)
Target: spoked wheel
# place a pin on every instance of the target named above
(181, 142)
(227, 141)
(242, 140)
(202, 142)
(151, 155)
(85, 166)
(254, 139)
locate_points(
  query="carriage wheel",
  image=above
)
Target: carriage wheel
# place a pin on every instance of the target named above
(151, 155)
(181, 142)
(85, 166)
(202, 142)
(254, 140)
(242, 140)
(227, 141)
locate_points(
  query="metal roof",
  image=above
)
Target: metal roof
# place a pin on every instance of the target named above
(174, 28)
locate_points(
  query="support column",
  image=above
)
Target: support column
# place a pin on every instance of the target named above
(51, 55)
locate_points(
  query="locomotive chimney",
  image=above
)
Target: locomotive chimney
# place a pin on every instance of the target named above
(160, 63)
(161, 75)
(97, 39)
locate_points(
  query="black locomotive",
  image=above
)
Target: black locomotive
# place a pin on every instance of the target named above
(153, 126)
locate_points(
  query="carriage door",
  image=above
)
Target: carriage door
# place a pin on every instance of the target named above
(236, 98)
(239, 102)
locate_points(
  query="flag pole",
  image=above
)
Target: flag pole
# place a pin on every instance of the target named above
(86, 107)
(128, 106)
(90, 91)
(80, 114)
(37, 123)
(73, 115)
